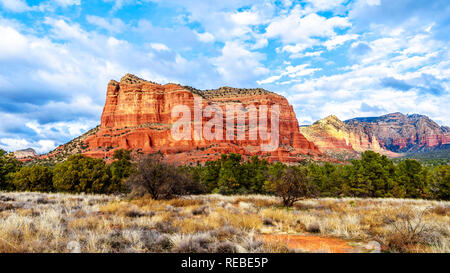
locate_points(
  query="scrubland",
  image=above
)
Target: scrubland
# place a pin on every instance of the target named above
(38, 222)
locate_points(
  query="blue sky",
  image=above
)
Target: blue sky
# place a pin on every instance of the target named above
(350, 58)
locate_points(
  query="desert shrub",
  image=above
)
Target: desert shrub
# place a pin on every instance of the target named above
(34, 178)
(196, 243)
(200, 211)
(81, 174)
(440, 210)
(313, 228)
(155, 241)
(223, 247)
(159, 179)
(409, 228)
(291, 184)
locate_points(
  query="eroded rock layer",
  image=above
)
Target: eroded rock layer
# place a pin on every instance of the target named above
(337, 139)
(404, 133)
(392, 134)
(138, 116)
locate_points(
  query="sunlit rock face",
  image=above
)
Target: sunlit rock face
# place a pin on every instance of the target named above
(392, 135)
(25, 155)
(138, 116)
(404, 133)
(336, 138)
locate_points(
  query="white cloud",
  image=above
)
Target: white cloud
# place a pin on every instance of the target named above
(15, 5)
(115, 25)
(296, 28)
(14, 144)
(159, 47)
(205, 37)
(12, 43)
(246, 18)
(373, 2)
(295, 72)
(325, 4)
(237, 64)
(339, 40)
(67, 3)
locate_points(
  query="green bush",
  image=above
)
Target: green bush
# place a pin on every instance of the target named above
(441, 183)
(34, 178)
(8, 166)
(82, 174)
(120, 170)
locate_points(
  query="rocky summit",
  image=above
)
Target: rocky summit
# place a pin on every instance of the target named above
(401, 133)
(339, 140)
(26, 154)
(138, 116)
(392, 134)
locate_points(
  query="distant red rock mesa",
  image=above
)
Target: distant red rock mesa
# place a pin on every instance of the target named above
(138, 116)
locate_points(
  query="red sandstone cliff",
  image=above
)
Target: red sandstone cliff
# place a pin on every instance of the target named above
(138, 116)
(404, 133)
(337, 139)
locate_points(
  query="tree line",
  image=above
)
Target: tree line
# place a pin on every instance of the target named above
(373, 175)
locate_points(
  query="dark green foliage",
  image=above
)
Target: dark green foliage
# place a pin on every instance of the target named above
(8, 166)
(413, 178)
(230, 175)
(120, 169)
(441, 183)
(372, 176)
(34, 178)
(82, 174)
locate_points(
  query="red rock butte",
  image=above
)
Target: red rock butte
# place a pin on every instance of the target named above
(138, 116)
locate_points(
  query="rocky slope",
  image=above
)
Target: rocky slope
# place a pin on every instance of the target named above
(25, 155)
(401, 133)
(137, 116)
(339, 140)
(392, 134)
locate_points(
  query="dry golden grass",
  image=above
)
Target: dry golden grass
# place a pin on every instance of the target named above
(35, 222)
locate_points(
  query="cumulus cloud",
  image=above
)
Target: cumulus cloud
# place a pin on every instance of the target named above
(115, 25)
(15, 5)
(350, 58)
(300, 31)
(292, 72)
(237, 64)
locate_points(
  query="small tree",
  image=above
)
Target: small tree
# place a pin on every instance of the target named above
(81, 174)
(120, 169)
(291, 185)
(34, 178)
(442, 182)
(159, 179)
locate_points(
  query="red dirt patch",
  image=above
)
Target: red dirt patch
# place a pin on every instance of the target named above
(311, 243)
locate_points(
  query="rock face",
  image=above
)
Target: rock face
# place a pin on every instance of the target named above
(404, 133)
(26, 154)
(339, 139)
(138, 116)
(390, 134)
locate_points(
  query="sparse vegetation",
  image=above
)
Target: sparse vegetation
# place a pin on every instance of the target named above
(217, 223)
(159, 179)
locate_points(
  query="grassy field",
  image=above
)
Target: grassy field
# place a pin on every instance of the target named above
(37, 222)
